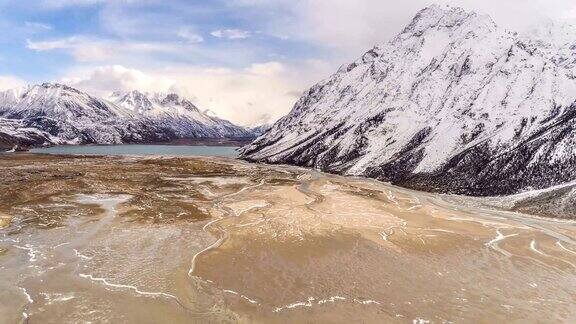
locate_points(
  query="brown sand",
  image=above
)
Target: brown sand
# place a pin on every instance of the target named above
(216, 240)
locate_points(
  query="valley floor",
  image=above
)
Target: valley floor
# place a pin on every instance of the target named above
(180, 240)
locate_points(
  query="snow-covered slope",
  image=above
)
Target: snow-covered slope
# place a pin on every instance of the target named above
(69, 116)
(556, 201)
(453, 103)
(178, 113)
(14, 132)
(260, 129)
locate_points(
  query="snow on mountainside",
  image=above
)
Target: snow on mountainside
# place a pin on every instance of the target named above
(58, 114)
(179, 113)
(16, 133)
(71, 116)
(453, 104)
(260, 129)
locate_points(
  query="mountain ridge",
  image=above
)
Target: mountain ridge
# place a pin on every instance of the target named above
(64, 115)
(453, 103)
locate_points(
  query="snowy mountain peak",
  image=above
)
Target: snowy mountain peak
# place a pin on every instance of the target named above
(57, 101)
(133, 100)
(54, 89)
(54, 85)
(174, 99)
(142, 102)
(10, 97)
(65, 115)
(452, 103)
(179, 112)
(557, 34)
(446, 17)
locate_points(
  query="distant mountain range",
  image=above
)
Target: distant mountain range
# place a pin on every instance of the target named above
(53, 113)
(260, 130)
(453, 104)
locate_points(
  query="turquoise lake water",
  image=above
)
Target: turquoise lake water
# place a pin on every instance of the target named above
(165, 150)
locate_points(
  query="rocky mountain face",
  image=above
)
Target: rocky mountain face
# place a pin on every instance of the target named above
(58, 114)
(184, 118)
(452, 104)
(15, 133)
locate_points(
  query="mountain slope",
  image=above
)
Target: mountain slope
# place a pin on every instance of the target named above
(16, 133)
(178, 113)
(260, 129)
(71, 116)
(64, 115)
(452, 104)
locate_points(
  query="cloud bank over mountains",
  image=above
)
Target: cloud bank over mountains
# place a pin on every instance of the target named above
(243, 59)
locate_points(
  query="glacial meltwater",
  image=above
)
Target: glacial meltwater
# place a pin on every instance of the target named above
(214, 240)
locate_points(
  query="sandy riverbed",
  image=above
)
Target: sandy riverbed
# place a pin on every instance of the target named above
(217, 240)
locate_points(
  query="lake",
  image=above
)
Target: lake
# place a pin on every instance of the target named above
(166, 150)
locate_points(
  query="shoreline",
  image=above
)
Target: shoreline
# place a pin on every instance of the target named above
(236, 142)
(520, 204)
(503, 204)
(254, 239)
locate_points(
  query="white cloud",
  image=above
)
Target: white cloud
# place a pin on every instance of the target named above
(66, 3)
(49, 45)
(188, 34)
(266, 69)
(103, 80)
(37, 26)
(348, 28)
(231, 33)
(570, 14)
(247, 82)
(238, 95)
(86, 49)
(83, 49)
(152, 19)
(10, 82)
(262, 92)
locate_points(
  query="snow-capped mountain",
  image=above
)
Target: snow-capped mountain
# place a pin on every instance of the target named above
(453, 103)
(64, 115)
(73, 117)
(14, 132)
(181, 114)
(260, 129)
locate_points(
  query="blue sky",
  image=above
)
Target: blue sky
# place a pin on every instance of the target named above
(53, 36)
(247, 60)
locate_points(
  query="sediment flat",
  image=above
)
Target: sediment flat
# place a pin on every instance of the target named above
(181, 240)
